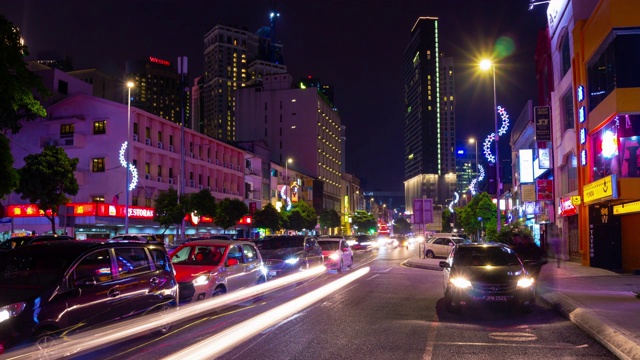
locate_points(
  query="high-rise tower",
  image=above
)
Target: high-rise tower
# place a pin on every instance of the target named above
(233, 58)
(429, 119)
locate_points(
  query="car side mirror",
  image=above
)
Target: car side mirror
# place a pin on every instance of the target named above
(444, 265)
(232, 262)
(345, 248)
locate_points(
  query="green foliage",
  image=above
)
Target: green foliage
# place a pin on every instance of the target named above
(301, 217)
(229, 212)
(364, 221)
(480, 206)
(47, 178)
(509, 231)
(268, 218)
(401, 226)
(446, 220)
(202, 203)
(329, 218)
(17, 100)
(168, 211)
(9, 179)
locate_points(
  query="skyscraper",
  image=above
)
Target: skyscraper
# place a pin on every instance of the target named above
(233, 58)
(157, 89)
(429, 119)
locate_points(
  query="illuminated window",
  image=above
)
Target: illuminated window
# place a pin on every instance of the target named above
(100, 127)
(97, 165)
(66, 130)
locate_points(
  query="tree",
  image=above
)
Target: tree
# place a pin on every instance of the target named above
(364, 221)
(401, 226)
(446, 220)
(168, 211)
(329, 218)
(268, 218)
(17, 99)
(301, 217)
(9, 179)
(468, 216)
(202, 203)
(47, 178)
(229, 212)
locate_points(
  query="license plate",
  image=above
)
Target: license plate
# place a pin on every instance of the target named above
(272, 273)
(496, 298)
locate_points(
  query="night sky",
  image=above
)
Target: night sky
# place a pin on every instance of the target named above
(355, 45)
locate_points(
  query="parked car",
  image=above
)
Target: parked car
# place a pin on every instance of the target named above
(285, 254)
(441, 246)
(51, 288)
(207, 268)
(337, 253)
(19, 241)
(486, 273)
(139, 238)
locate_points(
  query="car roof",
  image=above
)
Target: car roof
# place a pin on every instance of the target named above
(215, 242)
(330, 239)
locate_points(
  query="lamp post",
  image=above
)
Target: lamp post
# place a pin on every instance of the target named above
(126, 189)
(486, 65)
(182, 71)
(472, 140)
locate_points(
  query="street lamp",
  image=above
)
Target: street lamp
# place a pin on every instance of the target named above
(486, 65)
(471, 141)
(126, 189)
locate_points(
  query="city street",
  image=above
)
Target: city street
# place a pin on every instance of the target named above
(391, 312)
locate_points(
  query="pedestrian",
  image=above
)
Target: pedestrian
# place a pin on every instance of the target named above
(556, 249)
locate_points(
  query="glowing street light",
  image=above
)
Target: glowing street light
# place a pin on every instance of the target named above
(486, 65)
(471, 141)
(286, 175)
(126, 188)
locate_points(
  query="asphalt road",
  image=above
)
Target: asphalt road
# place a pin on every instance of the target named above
(392, 312)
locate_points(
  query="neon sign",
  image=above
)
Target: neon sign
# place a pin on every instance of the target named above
(159, 61)
(580, 93)
(609, 144)
(583, 136)
(583, 157)
(582, 114)
(123, 162)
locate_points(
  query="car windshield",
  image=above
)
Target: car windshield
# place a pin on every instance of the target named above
(283, 242)
(483, 256)
(32, 269)
(329, 245)
(198, 255)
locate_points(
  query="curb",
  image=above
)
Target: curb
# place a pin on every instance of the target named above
(409, 263)
(605, 332)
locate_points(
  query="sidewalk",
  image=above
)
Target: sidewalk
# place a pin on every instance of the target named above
(602, 303)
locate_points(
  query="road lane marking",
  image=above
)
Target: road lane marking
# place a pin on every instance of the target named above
(428, 351)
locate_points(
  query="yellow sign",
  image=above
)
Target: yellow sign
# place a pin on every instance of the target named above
(576, 200)
(528, 192)
(628, 208)
(603, 189)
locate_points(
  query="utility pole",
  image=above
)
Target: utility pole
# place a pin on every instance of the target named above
(182, 71)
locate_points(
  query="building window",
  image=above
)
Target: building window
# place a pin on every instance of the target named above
(99, 127)
(566, 54)
(567, 106)
(97, 165)
(66, 130)
(97, 198)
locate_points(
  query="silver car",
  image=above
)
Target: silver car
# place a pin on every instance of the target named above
(441, 246)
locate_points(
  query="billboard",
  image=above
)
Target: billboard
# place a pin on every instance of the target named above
(542, 120)
(526, 165)
(422, 211)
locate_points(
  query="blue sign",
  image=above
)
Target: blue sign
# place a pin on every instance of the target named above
(6, 220)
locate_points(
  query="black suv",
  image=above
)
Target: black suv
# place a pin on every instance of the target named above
(486, 273)
(48, 288)
(288, 253)
(19, 241)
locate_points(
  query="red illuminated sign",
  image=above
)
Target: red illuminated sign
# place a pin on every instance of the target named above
(159, 61)
(566, 207)
(22, 211)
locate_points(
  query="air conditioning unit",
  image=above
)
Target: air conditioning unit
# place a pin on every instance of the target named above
(160, 145)
(224, 164)
(147, 176)
(209, 188)
(209, 161)
(192, 183)
(170, 181)
(215, 189)
(135, 137)
(51, 142)
(147, 141)
(224, 191)
(200, 187)
(217, 162)
(171, 148)
(191, 154)
(159, 178)
(238, 167)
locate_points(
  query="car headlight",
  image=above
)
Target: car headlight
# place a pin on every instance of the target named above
(291, 261)
(460, 282)
(525, 282)
(201, 280)
(334, 256)
(9, 311)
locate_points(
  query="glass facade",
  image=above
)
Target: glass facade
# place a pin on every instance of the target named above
(616, 66)
(615, 148)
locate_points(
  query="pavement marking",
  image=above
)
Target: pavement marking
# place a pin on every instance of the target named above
(563, 346)
(428, 351)
(513, 336)
(376, 275)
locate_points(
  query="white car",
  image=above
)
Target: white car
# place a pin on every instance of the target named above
(441, 246)
(337, 253)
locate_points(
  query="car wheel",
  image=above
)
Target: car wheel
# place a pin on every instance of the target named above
(451, 306)
(218, 291)
(430, 254)
(46, 338)
(351, 263)
(341, 266)
(164, 310)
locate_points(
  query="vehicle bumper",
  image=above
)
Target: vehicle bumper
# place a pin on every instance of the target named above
(518, 297)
